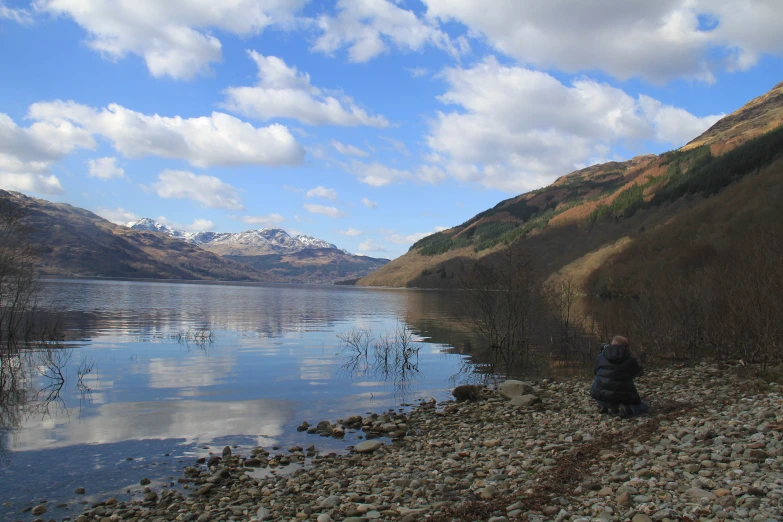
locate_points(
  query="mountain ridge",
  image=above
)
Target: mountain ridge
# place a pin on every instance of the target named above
(588, 216)
(251, 242)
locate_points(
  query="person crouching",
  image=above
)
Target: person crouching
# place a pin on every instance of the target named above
(613, 388)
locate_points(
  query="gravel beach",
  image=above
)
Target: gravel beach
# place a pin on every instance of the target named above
(710, 448)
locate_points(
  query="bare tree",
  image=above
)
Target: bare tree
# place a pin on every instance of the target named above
(502, 304)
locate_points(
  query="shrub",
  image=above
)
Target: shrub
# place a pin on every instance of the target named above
(466, 392)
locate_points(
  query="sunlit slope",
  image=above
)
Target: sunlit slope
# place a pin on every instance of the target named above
(575, 224)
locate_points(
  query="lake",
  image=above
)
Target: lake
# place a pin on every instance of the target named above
(153, 375)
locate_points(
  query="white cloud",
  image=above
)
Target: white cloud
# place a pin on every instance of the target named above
(658, 40)
(377, 174)
(174, 37)
(105, 168)
(371, 246)
(369, 203)
(397, 145)
(20, 16)
(27, 153)
(332, 212)
(672, 124)
(367, 27)
(349, 150)
(516, 129)
(350, 232)
(321, 192)
(118, 216)
(207, 190)
(284, 92)
(417, 72)
(409, 239)
(31, 182)
(268, 221)
(215, 140)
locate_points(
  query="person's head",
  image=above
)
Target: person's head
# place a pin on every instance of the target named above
(619, 340)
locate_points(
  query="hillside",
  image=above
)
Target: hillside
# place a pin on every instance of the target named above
(75, 242)
(585, 220)
(272, 251)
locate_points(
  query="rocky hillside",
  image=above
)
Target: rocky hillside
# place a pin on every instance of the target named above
(75, 242)
(590, 216)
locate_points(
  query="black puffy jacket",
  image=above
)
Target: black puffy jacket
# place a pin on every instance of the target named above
(614, 371)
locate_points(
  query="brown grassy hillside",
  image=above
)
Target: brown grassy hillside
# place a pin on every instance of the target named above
(75, 242)
(589, 217)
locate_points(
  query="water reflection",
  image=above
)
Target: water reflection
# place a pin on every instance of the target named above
(393, 357)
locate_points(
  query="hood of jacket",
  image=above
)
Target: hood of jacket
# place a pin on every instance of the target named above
(616, 353)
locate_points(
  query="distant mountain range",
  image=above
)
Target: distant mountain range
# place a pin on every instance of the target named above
(259, 242)
(72, 241)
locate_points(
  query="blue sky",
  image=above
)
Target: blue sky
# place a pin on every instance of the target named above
(368, 123)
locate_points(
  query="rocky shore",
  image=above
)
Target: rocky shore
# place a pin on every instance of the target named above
(710, 448)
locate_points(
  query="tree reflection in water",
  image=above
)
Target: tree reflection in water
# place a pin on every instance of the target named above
(32, 380)
(393, 357)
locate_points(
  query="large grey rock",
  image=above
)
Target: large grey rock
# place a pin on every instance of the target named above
(263, 514)
(368, 446)
(511, 388)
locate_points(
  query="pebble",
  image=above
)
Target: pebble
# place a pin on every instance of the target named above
(722, 458)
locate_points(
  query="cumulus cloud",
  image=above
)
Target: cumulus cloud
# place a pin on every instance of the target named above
(332, 212)
(27, 153)
(673, 124)
(349, 150)
(284, 92)
(321, 192)
(517, 129)
(368, 27)
(118, 216)
(173, 37)
(105, 168)
(352, 232)
(658, 40)
(208, 190)
(367, 202)
(268, 221)
(215, 140)
(371, 246)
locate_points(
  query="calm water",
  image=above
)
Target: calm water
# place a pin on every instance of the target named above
(134, 395)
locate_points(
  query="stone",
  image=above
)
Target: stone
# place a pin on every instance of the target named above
(641, 517)
(488, 493)
(324, 517)
(144, 481)
(498, 519)
(331, 501)
(263, 513)
(80, 491)
(40, 509)
(367, 446)
(524, 401)
(226, 451)
(698, 493)
(511, 388)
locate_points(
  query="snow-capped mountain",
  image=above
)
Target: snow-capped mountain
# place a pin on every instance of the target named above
(248, 243)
